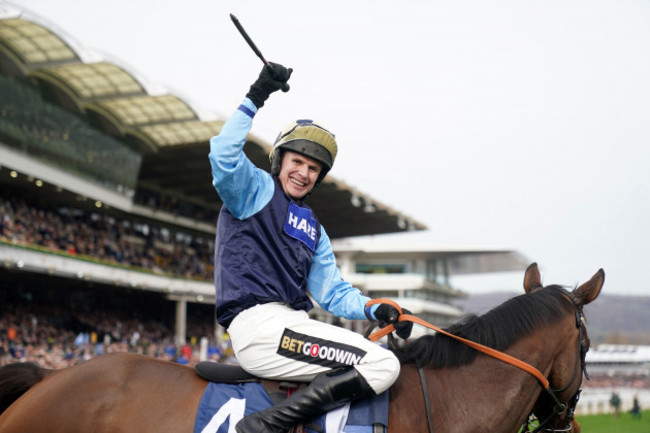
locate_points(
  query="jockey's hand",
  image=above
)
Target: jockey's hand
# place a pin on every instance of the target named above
(387, 314)
(273, 77)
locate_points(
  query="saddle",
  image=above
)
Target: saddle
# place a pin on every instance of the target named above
(234, 374)
(223, 373)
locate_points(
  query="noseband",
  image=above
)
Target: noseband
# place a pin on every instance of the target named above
(564, 410)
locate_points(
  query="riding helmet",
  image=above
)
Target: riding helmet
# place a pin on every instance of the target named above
(308, 138)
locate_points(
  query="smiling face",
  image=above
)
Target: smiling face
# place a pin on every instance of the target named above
(298, 174)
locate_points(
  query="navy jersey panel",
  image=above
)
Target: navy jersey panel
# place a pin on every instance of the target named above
(257, 261)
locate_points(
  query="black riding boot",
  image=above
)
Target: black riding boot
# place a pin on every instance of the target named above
(327, 391)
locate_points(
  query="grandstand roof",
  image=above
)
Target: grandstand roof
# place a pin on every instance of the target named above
(163, 129)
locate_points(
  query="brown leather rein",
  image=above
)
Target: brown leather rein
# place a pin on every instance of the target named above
(481, 348)
(386, 330)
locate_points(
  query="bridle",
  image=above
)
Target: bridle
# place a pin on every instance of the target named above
(566, 409)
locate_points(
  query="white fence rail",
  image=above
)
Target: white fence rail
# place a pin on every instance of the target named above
(596, 400)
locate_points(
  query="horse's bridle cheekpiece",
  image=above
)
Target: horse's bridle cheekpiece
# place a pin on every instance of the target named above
(568, 408)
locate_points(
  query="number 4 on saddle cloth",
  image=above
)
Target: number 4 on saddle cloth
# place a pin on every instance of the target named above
(233, 393)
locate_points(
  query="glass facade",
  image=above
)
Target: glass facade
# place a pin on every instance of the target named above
(44, 131)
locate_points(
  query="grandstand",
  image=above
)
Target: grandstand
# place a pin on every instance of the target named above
(107, 208)
(619, 359)
(624, 369)
(87, 119)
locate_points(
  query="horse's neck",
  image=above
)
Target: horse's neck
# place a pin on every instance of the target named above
(487, 395)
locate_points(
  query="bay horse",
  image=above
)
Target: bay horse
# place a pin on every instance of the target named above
(467, 391)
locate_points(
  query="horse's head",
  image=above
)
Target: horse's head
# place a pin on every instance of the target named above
(555, 409)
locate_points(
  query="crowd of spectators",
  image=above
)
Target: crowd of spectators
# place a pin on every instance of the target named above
(58, 333)
(105, 238)
(60, 330)
(618, 380)
(172, 205)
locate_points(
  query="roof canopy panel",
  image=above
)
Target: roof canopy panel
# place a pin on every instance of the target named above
(33, 45)
(166, 135)
(90, 81)
(143, 110)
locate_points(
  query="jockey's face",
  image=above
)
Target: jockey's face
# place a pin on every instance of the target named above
(298, 174)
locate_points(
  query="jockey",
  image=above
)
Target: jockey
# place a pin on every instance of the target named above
(270, 253)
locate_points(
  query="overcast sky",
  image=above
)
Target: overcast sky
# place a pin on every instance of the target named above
(501, 123)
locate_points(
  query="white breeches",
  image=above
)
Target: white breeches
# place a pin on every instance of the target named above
(274, 341)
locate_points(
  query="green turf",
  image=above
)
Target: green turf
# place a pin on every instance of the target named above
(608, 423)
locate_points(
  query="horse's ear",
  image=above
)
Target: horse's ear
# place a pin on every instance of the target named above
(590, 290)
(532, 278)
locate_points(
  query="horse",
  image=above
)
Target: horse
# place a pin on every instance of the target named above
(458, 388)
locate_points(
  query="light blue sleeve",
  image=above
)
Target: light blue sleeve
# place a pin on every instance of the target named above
(328, 288)
(244, 188)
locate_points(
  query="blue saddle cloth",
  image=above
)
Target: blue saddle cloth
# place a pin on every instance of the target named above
(222, 404)
(363, 415)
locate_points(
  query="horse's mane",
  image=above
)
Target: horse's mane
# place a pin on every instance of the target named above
(498, 328)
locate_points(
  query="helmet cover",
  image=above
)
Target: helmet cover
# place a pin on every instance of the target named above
(308, 138)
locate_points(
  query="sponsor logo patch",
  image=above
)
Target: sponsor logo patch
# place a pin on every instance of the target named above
(301, 225)
(318, 351)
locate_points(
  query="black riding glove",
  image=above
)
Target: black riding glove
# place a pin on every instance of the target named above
(272, 78)
(387, 314)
